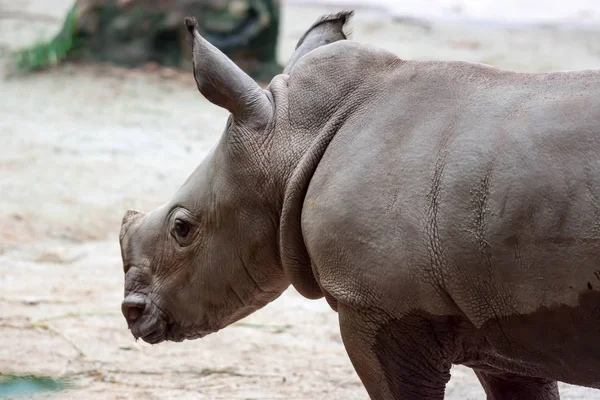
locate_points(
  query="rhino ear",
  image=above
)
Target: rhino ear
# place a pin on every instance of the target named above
(327, 29)
(221, 81)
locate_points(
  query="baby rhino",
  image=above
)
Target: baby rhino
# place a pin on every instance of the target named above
(448, 211)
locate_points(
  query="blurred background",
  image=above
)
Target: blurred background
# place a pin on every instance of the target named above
(99, 113)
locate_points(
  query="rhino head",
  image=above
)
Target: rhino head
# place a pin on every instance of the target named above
(213, 253)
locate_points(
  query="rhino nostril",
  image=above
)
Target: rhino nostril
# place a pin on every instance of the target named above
(133, 308)
(134, 313)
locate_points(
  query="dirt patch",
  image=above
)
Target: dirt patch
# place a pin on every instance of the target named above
(83, 144)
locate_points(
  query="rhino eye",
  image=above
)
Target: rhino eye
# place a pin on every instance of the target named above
(182, 228)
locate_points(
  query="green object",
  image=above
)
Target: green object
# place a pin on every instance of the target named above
(136, 32)
(11, 385)
(42, 55)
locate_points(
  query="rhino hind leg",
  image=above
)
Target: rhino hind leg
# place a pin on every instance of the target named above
(407, 359)
(502, 386)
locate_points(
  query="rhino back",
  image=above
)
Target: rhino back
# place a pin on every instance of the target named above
(463, 189)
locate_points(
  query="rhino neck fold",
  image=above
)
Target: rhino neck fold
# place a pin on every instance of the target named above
(295, 259)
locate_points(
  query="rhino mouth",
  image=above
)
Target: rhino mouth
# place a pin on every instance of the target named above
(154, 337)
(152, 327)
(169, 334)
(156, 326)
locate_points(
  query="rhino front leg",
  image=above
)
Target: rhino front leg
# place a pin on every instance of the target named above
(396, 360)
(501, 386)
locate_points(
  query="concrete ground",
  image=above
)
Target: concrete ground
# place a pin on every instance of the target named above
(81, 144)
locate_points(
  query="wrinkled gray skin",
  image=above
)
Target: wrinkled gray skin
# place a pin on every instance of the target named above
(448, 211)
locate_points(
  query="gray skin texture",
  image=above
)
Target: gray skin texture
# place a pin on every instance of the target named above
(448, 211)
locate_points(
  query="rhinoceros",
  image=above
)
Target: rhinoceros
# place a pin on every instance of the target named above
(449, 212)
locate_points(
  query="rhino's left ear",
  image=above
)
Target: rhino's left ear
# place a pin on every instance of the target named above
(327, 29)
(222, 82)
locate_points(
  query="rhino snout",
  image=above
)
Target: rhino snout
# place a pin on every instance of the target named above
(129, 218)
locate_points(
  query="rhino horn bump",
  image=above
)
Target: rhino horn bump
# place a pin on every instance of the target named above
(129, 218)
